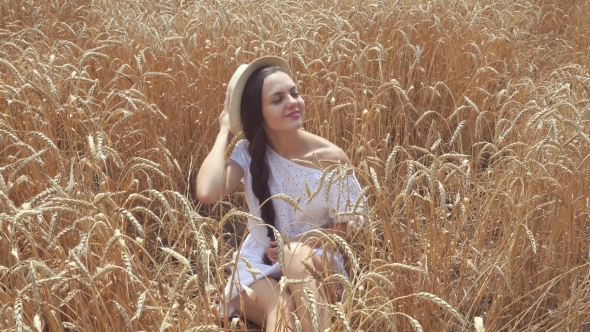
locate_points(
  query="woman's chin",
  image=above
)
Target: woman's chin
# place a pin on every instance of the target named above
(291, 127)
(298, 127)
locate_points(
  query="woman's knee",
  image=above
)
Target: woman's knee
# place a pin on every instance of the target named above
(266, 297)
(296, 253)
(270, 307)
(289, 302)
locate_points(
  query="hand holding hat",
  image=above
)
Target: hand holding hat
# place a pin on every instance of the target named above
(224, 116)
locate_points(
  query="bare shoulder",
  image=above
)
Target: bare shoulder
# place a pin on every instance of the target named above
(327, 152)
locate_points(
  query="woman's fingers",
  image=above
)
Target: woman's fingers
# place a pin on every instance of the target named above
(224, 116)
(272, 251)
(226, 103)
(273, 254)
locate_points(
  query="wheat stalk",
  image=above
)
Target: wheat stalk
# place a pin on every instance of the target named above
(338, 313)
(400, 266)
(68, 201)
(340, 243)
(375, 179)
(24, 162)
(531, 237)
(313, 309)
(44, 138)
(178, 256)
(206, 328)
(415, 324)
(18, 314)
(117, 236)
(313, 271)
(460, 127)
(232, 144)
(69, 297)
(442, 303)
(123, 313)
(131, 218)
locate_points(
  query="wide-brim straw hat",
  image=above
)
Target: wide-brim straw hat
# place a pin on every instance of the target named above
(238, 82)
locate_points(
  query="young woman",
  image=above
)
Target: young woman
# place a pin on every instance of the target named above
(264, 103)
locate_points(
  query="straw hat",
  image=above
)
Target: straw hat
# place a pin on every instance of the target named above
(238, 82)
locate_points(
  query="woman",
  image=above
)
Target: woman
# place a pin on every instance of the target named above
(264, 102)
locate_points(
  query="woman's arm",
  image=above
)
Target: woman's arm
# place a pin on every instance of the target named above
(211, 184)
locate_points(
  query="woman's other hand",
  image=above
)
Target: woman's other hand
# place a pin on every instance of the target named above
(273, 252)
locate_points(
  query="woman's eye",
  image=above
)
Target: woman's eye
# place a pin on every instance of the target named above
(276, 101)
(295, 94)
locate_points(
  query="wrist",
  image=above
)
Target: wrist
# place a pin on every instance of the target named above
(225, 132)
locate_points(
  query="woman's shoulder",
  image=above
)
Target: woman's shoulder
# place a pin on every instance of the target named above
(241, 145)
(243, 142)
(327, 152)
(239, 152)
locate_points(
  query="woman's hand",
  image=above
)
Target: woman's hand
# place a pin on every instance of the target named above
(273, 252)
(224, 117)
(217, 177)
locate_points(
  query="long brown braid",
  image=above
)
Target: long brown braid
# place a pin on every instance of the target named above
(253, 128)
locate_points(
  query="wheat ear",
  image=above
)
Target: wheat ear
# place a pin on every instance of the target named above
(442, 303)
(313, 312)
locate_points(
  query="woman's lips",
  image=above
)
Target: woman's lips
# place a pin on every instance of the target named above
(294, 115)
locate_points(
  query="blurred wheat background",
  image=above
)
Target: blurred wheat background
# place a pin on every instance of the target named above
(468, 122)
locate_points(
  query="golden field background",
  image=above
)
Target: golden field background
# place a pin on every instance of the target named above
(468, 122)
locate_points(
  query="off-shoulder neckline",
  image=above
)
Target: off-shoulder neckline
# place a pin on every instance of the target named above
(291, 161)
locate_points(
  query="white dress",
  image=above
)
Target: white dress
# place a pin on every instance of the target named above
(287, 177)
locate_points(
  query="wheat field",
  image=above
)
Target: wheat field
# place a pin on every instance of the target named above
(468, 123)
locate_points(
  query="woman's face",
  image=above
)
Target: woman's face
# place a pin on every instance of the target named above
(282, 106)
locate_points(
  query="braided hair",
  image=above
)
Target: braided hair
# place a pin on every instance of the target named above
(252, 126)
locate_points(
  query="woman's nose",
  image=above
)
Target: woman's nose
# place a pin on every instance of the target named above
(291, 101)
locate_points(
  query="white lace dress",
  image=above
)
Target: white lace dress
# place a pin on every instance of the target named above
(287, 177)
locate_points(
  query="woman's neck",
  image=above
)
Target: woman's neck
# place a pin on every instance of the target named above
(287, 144)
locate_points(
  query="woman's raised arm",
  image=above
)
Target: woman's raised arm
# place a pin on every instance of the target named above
(211, 185)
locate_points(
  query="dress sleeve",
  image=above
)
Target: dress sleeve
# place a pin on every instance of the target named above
(241, 156)
(346, 196)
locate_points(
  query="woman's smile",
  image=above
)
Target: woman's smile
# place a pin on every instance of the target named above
(294, 115)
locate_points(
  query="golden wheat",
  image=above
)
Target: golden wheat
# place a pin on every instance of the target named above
(463, 120)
